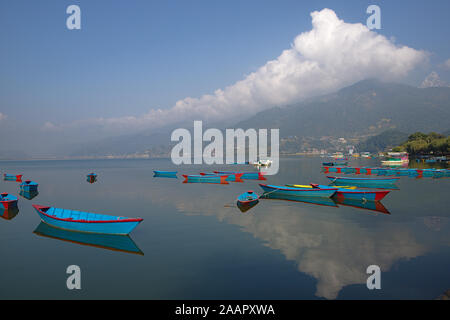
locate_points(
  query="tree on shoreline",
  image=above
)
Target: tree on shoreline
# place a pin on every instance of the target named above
(422, 144)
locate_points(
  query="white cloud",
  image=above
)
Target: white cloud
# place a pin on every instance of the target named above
(447, 64)
(332, 55)
(2, 116)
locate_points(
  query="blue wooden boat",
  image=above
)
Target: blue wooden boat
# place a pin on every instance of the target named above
(7, 201)
(247, 200)
(121, 243)
(357, 194)
(9, 213)
(321, 201)
(233, 177)
(29, 195)
(299, 192)
(379, 182)
(166, 174)
(245, 175)
(29, 186)
(86, 221)
(198, 178)
(12, 177)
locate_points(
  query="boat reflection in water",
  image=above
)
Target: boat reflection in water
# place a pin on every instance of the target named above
(334, 201)
(9, 213)
(122, 243)
(247, 206)
(29, 194)
(376, 206)
(323, 201)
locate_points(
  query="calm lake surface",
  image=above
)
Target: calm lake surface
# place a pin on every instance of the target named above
(194, 243)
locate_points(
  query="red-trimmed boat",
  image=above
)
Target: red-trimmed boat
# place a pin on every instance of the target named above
(7, 201)
(85, 221)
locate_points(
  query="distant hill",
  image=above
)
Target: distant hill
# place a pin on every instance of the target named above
(366, 108)
(356, 113)
(383, 141)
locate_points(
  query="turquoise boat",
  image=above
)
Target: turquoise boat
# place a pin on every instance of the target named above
(166, 174)
(12, 177)
(7, 201)
(357, 194)
(247, 200)
(29, 186)
(85, 221)
(121, 243)
(299, 192)
(233, 177)
(321, 201)
(245, 175)
(379, 182)
(198, 178)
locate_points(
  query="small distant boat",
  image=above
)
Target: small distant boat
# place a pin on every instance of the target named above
(198, 178)
(362, 181)
(13, 177)
(299, 192)
(159, 173)
(7, 201)
(122, 243)
(29, 186)
(85, 221)
(332, 164)
(245, 175)
(248, 198)
(91, 177)
(233, 177)
(262, 163)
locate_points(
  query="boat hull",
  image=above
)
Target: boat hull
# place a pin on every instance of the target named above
(121, 226)
(245, 175)
(219, 179)
(363, 181)
(299, 192)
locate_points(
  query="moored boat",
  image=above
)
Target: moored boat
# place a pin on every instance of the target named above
(85, 221)
(232, 177)
(198, 178)
(247, 200)
(299, 192)
(12, 177)
(29, 186)
(159, 173)
(362, 181)
(352, 193)
(245, 175)
(7, 201)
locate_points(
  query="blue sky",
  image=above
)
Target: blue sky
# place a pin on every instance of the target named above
(132, 56)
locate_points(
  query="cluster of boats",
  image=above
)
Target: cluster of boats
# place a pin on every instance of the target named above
(9, 203)
(341, 189)
(71, 220)
(386, 171)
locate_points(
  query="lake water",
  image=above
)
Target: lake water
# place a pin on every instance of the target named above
(194, 243)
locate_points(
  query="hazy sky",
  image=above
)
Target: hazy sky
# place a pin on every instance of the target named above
(197, 57)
